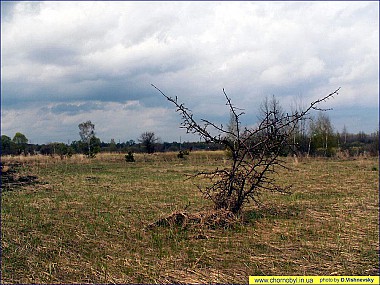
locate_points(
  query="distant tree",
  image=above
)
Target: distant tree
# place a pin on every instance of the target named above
(113, 146)
(363, 137)
(344, 135)
(5, 141)
(232, 128)
(63, 150)
(148, 141)
(46, 149)
(21, 142)
(323, 138)
(270, 114)
(20, 138)
(299, 138)
(94, 147)
(373, 147)
(7, 145)
(56, 148)
(87, 135)
(76, 146)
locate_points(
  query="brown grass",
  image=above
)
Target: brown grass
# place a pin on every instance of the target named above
(88, 222)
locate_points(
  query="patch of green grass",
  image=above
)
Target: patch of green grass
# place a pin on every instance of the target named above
(87, 223)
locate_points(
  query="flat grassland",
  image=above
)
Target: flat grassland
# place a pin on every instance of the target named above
(86, 221)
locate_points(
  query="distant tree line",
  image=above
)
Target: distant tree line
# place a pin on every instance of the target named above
(315, 137)
(318, 138)
(8, 147)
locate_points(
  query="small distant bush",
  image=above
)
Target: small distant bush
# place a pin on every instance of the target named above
(129, 157)
(182, 153)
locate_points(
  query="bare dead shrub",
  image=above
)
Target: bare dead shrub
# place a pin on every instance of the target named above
(255, 152)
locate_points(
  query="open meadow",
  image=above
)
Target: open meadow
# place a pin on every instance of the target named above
(90, 221)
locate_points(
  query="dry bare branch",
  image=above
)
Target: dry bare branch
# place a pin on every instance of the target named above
(255, 153)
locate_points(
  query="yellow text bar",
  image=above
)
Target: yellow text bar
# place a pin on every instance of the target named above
(270, 280)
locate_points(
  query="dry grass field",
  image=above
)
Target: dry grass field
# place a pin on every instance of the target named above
(87, 221)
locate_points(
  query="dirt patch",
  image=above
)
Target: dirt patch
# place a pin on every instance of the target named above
(12, 179)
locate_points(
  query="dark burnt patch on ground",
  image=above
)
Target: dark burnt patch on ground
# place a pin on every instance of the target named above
(12, 179)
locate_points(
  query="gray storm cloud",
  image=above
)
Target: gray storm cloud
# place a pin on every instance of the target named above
(89, 57)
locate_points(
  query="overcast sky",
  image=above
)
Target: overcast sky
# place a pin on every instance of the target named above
(64, 63)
